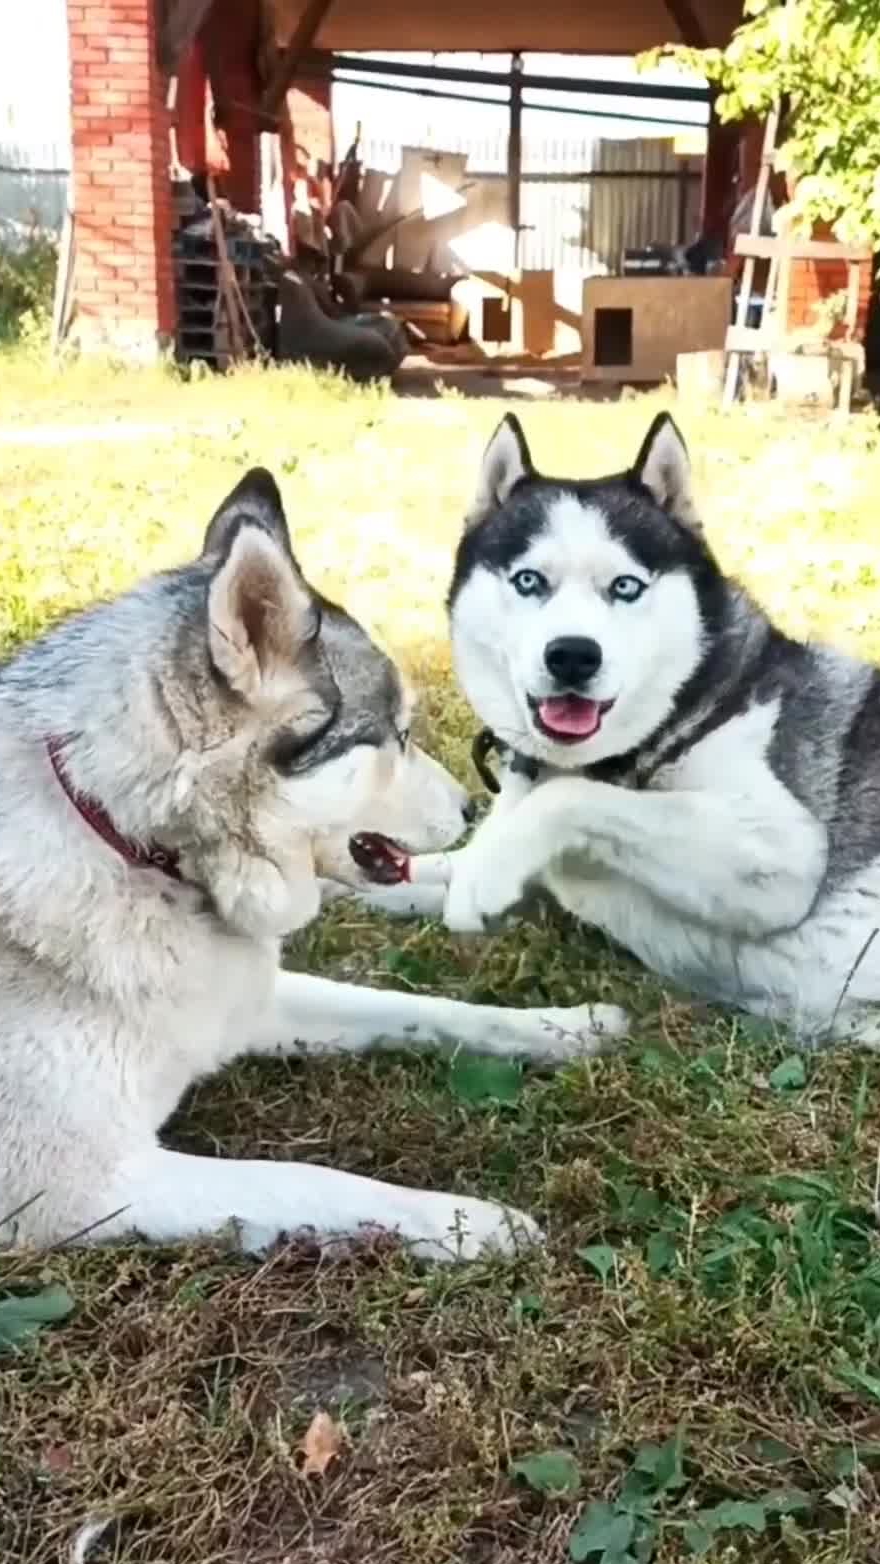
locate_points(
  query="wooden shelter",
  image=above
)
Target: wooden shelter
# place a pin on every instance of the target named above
(264, 58)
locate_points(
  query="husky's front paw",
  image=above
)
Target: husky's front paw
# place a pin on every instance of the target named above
(456, 1227)
(478, 896)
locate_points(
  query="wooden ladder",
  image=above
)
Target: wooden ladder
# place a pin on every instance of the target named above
(740, 337)
(781, 250)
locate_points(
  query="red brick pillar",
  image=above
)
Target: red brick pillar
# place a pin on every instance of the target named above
(122, 194)
(814, 281)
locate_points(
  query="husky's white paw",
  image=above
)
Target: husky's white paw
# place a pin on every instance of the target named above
(479, 894)
(580, 1032)
(446, 1228)
(439, 1227)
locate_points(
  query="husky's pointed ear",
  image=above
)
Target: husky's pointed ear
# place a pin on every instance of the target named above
(261, 615)
(663, 466)
(254, 499)
(506, 459)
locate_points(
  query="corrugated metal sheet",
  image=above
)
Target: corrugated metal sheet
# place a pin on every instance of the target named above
(583, 202)
(34, 112)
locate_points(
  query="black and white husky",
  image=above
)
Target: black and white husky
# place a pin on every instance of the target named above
(675, 770)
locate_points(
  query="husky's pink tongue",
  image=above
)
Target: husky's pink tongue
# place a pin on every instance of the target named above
(571, 715)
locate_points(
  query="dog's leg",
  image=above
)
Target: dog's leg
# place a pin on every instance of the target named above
(395, 901)
(169, 1196)
(312, 1015)
(729, 862)
(422, 896)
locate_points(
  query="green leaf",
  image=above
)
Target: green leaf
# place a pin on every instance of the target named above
(638, 1494)
(857, 1379)
(600, 1529)
(23, 1317)
(792, 1186)
(661, 1254)
(699, 1538)
(735, 1515)
(774, 1452)
(553, 1472)
(408, 967)
(646, 1542)
(527, 1306)
(790, 1075)
(480, 1078)
(668, 1469)
(600, 1256)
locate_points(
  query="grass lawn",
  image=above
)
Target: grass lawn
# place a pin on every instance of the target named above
(692, 1367)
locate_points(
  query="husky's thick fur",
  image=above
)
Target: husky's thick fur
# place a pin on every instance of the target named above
(677, 772)
(177, 769)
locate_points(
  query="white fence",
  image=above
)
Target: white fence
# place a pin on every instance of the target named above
(34, 113)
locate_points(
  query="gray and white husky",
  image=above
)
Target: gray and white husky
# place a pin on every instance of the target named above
(178, 769)
(676, 771)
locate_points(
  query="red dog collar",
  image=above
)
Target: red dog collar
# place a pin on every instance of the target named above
(150, 857)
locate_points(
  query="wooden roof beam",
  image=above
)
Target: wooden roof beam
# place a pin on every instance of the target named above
(688, 23)
(301, 40)
(182, 21)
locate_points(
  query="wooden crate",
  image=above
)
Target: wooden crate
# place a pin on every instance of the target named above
(634, 328)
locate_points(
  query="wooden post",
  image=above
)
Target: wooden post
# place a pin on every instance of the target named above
(748, 271)
(301, 40)
(226, 274)
(847, 373)
(514, 155)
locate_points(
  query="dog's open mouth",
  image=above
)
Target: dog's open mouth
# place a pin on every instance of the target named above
(381, 860)
(569, 719)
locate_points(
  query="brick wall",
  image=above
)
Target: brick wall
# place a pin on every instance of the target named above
(812, 281)
(122, 195)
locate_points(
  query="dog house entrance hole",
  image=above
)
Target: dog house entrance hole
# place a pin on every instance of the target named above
(495, 323)
(613, 336)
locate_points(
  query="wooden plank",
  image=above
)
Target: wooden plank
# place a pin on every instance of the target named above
(300, 41)
(749, 339)
(692, 31)
(761, 248)
(501, 26)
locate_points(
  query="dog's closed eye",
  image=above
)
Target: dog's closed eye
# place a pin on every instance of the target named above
(291, 748)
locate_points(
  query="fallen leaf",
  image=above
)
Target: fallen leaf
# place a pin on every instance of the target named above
(790, 1075)
(320, 1445)
(58, 1458)
(23, 1317)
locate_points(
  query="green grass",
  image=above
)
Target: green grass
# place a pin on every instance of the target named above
(695, 1356)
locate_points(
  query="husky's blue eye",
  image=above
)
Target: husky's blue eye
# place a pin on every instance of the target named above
(626, 589)
(529, 583)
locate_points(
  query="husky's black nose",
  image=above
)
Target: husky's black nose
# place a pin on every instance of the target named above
(573, 659)
(469, 810)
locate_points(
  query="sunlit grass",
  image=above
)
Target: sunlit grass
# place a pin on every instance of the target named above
(176, 1395)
